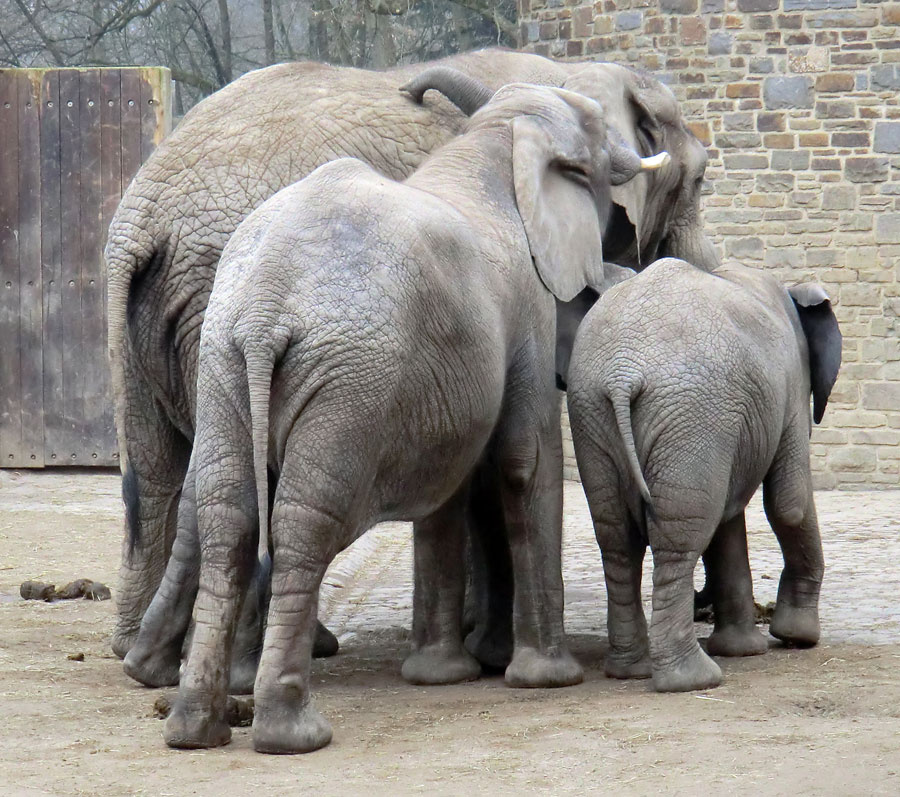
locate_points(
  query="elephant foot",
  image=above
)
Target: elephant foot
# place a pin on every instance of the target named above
(530, 668)
(695, 672)
(282, 731)
(433, 665)
(153, 668)
(122, 642)
(795, 626)
(493, 650)
(190, 728)
(735, 640)
(325, 644)
(627, 665)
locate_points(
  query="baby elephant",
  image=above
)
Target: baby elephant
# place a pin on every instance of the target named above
(370, 342)
(687, 390)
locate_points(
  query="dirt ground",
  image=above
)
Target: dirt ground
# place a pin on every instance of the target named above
(824, 721)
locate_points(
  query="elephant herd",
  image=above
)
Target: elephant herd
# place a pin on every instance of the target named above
(402, 284)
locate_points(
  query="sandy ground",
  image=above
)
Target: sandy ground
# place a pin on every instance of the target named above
(822, 721)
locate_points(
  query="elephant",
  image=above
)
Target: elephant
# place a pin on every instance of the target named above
(263, 132)
(369, 341)
(687, 390)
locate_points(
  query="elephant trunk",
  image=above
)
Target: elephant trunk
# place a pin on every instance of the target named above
(464, 92)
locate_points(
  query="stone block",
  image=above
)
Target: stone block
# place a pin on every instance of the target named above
(712, 6)
(787, 160)
(887, 137)
(738, 121)
(887, 228)
(835, 81)
(745, 161)
(885, 77)
(850, 139)
(777, 182)
(787, 92)
(583, 20)
(629, 20)
(761, 66)
(837, 109)
(838, 197)
(855, 459)
(881, 396)
(756, 6)
(678, 6)
(837, 20)
(720, 43)
(701, 131)
(770, 122)
(738, 140)
(867, 170)
(809, 59)
(779, 140)
(743, 90)
(745, 248)
(817, 5)
(890, 14)
(692, 30)
(814, 139)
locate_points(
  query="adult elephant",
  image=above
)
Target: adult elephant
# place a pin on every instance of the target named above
(265, 131)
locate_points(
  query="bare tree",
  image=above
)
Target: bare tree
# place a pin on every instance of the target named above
(208, 43)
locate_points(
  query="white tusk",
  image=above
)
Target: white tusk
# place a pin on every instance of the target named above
(655, 162)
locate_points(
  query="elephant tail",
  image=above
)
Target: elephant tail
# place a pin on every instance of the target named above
(621, 403)
(130, 252)
(260, 364)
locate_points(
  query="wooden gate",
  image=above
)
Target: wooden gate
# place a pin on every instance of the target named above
(70, 142)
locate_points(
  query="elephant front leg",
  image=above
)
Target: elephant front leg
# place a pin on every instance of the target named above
(789, 505)
(731, 584)
(531, 486)
(155, 658)
(438, 655)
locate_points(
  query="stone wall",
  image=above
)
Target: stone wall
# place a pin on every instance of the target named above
(797, 102)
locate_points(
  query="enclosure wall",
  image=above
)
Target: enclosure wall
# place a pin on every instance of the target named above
(797, 102)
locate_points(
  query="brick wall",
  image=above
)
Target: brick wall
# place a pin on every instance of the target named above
(798, 102)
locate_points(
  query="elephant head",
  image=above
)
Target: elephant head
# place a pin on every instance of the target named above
(565, 164)
(654, 215)
(659, 214)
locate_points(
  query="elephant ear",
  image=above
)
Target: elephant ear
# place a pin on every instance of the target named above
(823, 338)
(559, 209)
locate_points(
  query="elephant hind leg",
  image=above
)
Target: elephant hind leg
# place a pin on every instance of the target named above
(438, 655)
(791, 511)
(154, 469)
(731, 585)
(622, 546)
(155, 658)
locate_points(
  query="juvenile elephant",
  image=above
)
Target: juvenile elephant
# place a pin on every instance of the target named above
(687, 390)
(368, 340)
(265, 131)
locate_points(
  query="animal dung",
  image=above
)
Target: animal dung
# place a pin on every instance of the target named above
(80, 588)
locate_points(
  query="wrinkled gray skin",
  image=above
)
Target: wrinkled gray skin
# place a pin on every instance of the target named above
(368, 341)
(687, 390)
(262, 133)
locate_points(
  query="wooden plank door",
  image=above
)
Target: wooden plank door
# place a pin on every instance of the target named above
(70, 142)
